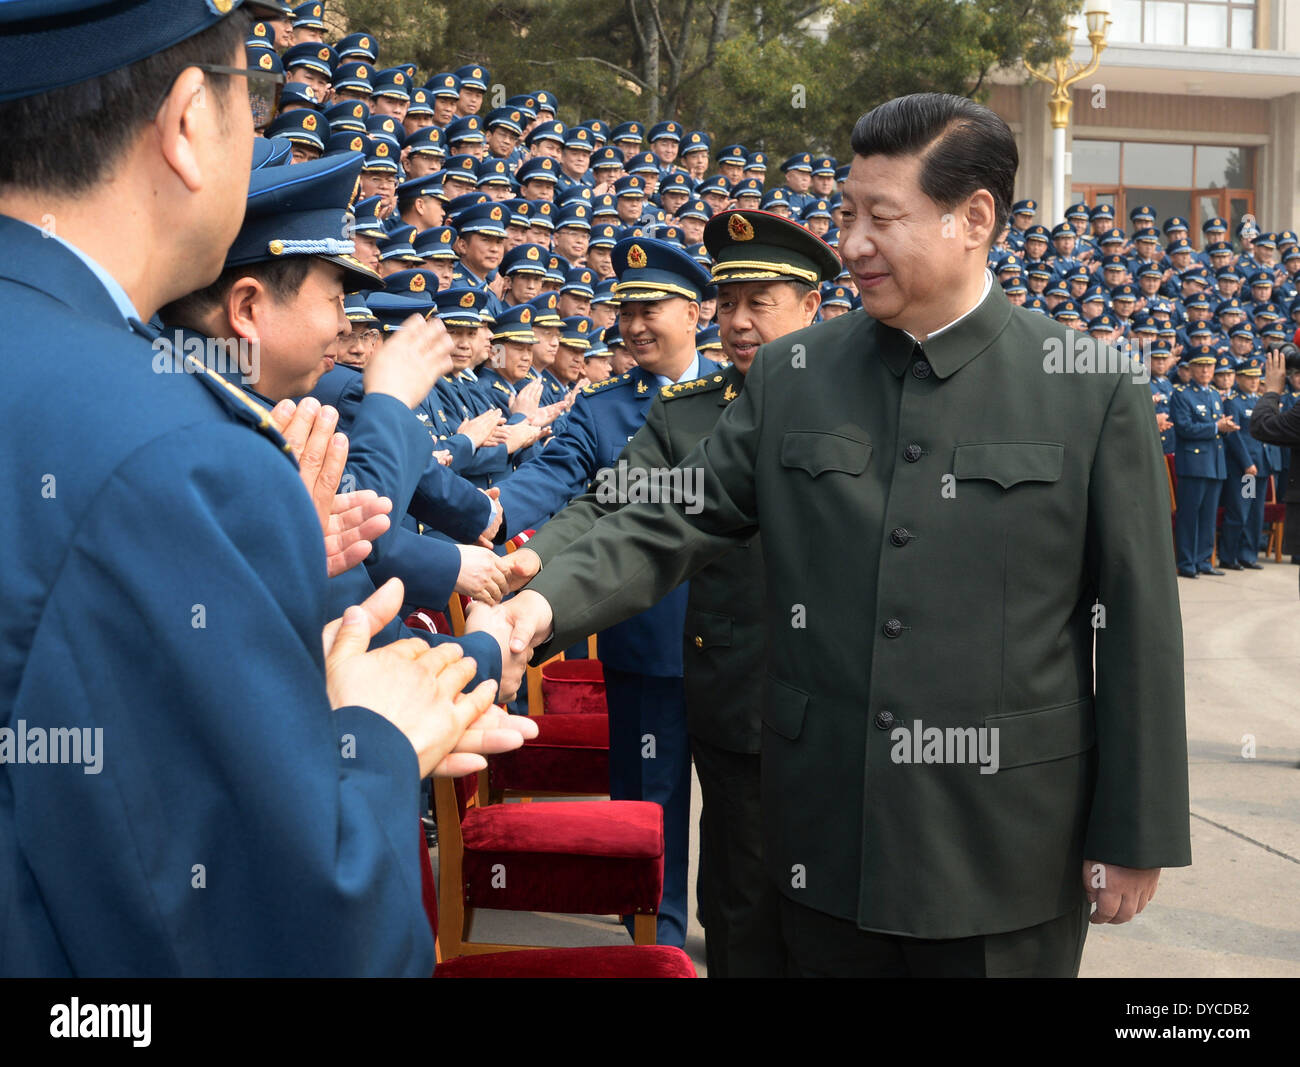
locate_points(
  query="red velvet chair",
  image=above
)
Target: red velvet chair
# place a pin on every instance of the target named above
(603, 857)
(614, 961)
(570, 754)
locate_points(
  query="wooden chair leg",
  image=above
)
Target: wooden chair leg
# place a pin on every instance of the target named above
(645, 929)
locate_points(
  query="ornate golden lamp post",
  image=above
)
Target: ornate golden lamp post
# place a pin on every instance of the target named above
(1066, 73)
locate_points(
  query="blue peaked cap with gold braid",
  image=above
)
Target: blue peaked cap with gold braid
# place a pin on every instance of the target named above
(303, 210)
(656, 270)
(63, 42)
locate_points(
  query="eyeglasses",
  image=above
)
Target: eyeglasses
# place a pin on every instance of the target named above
(264, 89)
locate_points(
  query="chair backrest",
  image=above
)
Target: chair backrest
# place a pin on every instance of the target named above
(574, 687)
(456, 613)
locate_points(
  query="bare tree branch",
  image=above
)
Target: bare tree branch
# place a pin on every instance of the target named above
(636, 25)
(593, 59)
(663, 36)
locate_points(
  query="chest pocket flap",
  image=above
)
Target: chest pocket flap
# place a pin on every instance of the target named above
(1009, 462)
(815, 451)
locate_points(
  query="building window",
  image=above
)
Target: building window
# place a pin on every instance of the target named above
(1194, 181)
(1189, 23)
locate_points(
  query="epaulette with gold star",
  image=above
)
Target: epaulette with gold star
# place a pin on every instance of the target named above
(694, 386)
(498, 385)
(595, 387)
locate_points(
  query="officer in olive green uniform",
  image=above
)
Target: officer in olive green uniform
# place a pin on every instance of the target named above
(944, 533)
(723, 655)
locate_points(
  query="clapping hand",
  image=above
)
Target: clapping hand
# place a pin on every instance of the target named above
(349, 521)
(418, 688)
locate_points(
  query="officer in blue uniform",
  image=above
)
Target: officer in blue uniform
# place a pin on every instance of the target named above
(1161, 390)
(168, 585)
(1197, 411)
(1248, 470)
(642, 657)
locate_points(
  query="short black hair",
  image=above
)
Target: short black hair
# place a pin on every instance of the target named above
(67, 140)
(283, 277)
(964, 145)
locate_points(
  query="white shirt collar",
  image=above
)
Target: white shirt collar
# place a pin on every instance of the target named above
(988, 284)
(692, 372)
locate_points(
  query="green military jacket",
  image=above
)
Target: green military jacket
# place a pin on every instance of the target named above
(723, 654)
(939, 522)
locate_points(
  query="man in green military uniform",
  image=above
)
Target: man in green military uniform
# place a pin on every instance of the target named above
(956, 761)
(767, 271)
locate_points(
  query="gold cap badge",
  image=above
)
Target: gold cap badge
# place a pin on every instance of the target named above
(740, 228)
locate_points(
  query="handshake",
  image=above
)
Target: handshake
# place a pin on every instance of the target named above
(519, 625)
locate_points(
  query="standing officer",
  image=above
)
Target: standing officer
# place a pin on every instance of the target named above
(1248, 472)
(659, 288)
(910, 437)
(1199, 426)
(767, 270)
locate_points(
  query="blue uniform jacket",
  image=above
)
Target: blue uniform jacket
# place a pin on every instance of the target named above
(441, 499)
(605, 418)
(164, 582)
(1198, 450)
(1243, 450)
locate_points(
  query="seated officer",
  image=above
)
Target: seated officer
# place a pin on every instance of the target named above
(1200, 426)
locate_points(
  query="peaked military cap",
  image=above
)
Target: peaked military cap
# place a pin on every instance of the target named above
(296, 95)
(733, 153)
(473, 76)
(415, 282)
(525, 259)
(461, 306)
(437, 242)
(628, 131)
(301, 210)
(696, 141)
(546, 131)
(353, 76)
(64, 42)
(445, 85)
(314, 55)
(302, 126)
(648, 269)
(667, 129)
(427, 141)
(359, 44)
(350, 115)
(466, 128)
(393, 309)
(516, 324)
(759, 246)
(576, 331)
(270, 152)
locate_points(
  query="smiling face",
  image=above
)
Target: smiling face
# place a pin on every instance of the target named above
(660, 334)
(753, 313)
(297, 334)
(913, 261)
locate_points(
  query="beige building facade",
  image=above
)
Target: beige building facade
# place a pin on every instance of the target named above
(1195, 110)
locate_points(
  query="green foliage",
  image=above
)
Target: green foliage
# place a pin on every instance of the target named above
(748, 71)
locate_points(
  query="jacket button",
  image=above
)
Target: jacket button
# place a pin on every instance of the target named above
(921, 369)
(699, 641)
(884, 719)
(899, 537)
(912, 453)
(892, 627)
